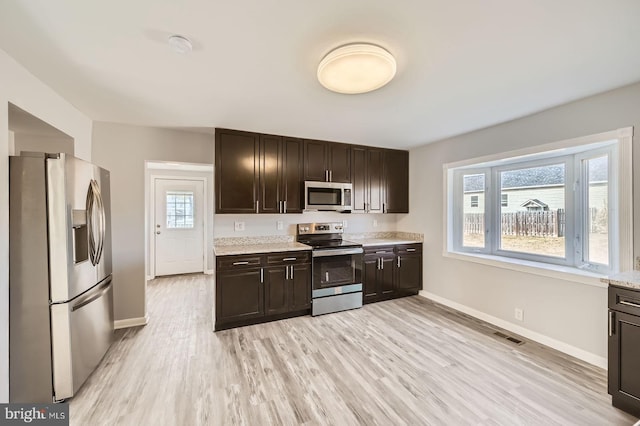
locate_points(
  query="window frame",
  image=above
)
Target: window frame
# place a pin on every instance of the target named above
(617, 144)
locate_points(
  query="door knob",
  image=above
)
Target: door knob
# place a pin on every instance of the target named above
(157, 226)
(158, 232)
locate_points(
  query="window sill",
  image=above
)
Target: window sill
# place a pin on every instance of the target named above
(537, 268)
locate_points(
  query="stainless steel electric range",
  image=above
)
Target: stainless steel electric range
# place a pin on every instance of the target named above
(336, 268)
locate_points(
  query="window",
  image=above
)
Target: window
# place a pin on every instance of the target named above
(551, 206)
(179, 210)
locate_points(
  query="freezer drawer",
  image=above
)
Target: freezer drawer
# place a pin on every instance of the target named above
(81, 333)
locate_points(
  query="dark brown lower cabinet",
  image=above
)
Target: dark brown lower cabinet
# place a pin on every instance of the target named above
(288, 289)
(262, 287)
(391, 271)
(624, 349)
(242, 293)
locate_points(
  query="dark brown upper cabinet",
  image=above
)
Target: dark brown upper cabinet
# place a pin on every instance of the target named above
(367, 179)
(236, 171)
(258, 173)
(327, 161)
(396, 181)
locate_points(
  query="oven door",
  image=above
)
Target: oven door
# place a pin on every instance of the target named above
(337, 267)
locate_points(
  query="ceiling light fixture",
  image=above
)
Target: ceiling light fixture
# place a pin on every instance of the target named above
(180, 44)
(356, 68)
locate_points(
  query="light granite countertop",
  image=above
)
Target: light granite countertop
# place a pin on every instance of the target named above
(630, 279)
(230, 250)
(372, 242)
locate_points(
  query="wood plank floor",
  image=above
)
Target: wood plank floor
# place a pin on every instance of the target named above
(402, 362)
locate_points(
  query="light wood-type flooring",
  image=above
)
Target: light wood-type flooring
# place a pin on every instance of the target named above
(402, 362)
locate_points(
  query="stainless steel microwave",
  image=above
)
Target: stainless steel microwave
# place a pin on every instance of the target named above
(327, 196)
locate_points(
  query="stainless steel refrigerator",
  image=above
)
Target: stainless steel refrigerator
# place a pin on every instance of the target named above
(60, 286)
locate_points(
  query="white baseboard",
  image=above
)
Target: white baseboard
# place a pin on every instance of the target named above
(130, 322)
(585, 356)
(150, 277)
(208, 272)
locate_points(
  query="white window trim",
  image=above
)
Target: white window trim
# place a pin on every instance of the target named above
(624, 137)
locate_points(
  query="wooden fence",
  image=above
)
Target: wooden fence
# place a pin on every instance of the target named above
(529, 223)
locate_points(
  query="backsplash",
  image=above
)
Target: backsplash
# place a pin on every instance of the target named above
(270, 239)
(257, 225)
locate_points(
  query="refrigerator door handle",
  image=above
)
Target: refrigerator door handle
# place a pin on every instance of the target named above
(95, 204)
(91, 296)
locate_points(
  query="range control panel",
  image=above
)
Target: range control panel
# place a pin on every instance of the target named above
(320, 228)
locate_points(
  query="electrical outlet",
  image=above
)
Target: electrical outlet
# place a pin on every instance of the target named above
(345, 223)
(238, 226)
(280, 225)
(519, 314)
(375, 223)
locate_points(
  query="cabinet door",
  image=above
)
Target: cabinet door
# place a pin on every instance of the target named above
(375, 184)
(270, 172)
(370, 279)
(292, 185)
(387, 276)
(276, 290)
(315, 163)
(300, 287)
(236, 171)
(409, 277)
(239, 295)
(339, 162)
(396, 177)
(359, 178)
(624, 362)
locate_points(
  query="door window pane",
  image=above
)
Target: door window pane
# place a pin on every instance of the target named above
(473, 210)
(532, 221)
(179, 210)
(597, 212)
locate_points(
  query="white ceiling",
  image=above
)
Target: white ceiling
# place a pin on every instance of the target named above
(462, 65)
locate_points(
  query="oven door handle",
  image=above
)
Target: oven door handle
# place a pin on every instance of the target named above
(339, 252)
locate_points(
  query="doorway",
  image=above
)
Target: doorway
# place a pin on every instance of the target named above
(179, 225)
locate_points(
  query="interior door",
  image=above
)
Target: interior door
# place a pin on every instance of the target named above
(179, 226)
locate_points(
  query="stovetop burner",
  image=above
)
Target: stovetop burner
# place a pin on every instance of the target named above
(323, 236)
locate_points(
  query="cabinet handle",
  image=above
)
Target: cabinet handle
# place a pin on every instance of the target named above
(240, 263)
(330, 175)
(261, 275)
(611, 323)
(626, 303)
(326, 276)
(398, 261)
(286, 271)
(257, 205)
(285, 205)
(410, 249)
(288, 259)
(381, 251)
(383, 207)
(279, 206)
(291, 271)
(381, 263)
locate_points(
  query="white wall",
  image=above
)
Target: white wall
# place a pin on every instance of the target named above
(123, 149)
(37, 143)
(265, 224)
(571, 313)
(19, 87)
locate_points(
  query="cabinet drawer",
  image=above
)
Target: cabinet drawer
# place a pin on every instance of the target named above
(405, 249)
(624, 300)
(238, 262)
(289, 257)
(379, 250)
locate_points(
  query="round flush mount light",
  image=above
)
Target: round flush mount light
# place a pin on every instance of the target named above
(180, 44)
(356, 68)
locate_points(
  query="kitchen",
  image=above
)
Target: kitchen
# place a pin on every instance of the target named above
(489, 292)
